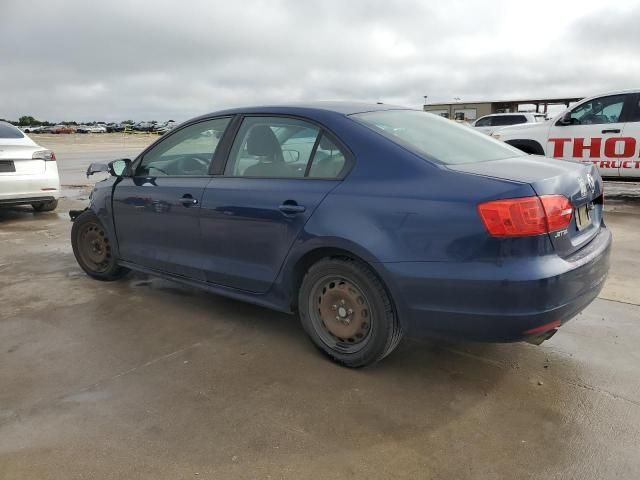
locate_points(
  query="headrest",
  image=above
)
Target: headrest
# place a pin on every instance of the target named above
(262, 142)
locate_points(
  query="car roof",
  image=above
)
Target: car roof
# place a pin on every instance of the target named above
(343, 108)
(513, 113)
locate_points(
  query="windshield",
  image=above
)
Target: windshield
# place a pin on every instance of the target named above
(9, 131)
(436, 137)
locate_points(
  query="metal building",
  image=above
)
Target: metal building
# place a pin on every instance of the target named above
(470, 111)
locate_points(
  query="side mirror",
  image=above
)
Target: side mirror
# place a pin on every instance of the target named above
(120, 167)
(564, 120)
(291, 156)
(97, 168)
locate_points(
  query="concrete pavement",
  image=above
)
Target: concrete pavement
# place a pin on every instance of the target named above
(143, 378)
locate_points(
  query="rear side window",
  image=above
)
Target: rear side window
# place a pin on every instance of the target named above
(328, 161)
(437, 138)
(9, 131)
(504, 120)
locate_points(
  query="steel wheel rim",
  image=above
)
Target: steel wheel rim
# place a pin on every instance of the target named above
(341, 314)
(94, 248)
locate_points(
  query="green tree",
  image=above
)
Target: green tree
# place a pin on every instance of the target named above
(27, 120)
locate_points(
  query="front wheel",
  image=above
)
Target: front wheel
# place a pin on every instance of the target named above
(347, 312)
(92, 248)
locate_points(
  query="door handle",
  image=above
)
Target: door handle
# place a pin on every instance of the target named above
(611, 130)
(291, 208)
(187, 200)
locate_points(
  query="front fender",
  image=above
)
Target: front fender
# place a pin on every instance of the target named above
(100, 202)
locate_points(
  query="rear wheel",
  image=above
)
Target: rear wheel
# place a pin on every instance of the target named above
(92, 248)
(347, 312)
(45, 206)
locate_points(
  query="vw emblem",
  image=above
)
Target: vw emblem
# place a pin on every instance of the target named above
(591, 183)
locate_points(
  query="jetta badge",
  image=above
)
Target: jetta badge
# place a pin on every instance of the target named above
(591, 183)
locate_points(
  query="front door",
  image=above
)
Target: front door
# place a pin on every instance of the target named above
(592, 133)
(279, 170)
(156, 211)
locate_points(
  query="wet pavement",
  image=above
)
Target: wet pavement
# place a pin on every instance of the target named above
(143, 378)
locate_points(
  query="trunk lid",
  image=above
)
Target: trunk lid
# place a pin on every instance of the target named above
(17, 160)
(580, 183)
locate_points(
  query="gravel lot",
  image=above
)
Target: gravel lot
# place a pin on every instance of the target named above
(143, 378)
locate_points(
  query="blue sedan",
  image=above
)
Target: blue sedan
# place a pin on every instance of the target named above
(368, 221)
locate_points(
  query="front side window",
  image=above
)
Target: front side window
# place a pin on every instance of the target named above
(279, 147)
(187, 152)
(598, 111)
(441, 140)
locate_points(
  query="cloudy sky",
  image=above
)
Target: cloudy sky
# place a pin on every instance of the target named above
(115, 60)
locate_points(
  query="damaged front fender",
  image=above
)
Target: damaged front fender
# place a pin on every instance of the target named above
(76, 213)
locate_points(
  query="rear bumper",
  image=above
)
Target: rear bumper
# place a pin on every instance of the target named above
(498, 302)
(19, 189)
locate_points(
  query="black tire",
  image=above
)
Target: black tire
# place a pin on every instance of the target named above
(45, 206)
(92, 248)
(365, 328)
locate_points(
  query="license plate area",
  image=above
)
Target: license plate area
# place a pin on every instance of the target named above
(583, 217)
(7, 166)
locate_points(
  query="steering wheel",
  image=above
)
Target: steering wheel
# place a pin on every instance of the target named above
(192, 163)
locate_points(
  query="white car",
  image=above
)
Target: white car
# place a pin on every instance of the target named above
(490, 123)
(28, 172)
(603, 130)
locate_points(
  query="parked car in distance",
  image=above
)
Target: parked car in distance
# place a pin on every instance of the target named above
(490, 123)
(60, 129)
(369, 221)
(28, 172)
(30, 129)
(603, 130)
(144, 126)
(115, 127)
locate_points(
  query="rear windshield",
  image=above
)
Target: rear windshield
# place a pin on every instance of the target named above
(438, 138)
(9, 131)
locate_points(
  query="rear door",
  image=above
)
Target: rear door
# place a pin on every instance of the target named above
(630, 166)
(591, 133)
(278, 171)
(156, 211)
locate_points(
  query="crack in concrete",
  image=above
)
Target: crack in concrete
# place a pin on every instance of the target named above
(56, 400)
(619, 301)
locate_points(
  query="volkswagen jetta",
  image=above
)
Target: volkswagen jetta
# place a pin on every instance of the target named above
(369, 221)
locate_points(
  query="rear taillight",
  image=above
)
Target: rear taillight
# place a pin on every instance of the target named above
(520, 217)
(46, 155)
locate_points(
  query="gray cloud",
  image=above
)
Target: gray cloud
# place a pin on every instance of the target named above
(167, 59)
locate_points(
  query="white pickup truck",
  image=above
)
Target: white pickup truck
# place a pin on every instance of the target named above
(603, 130)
